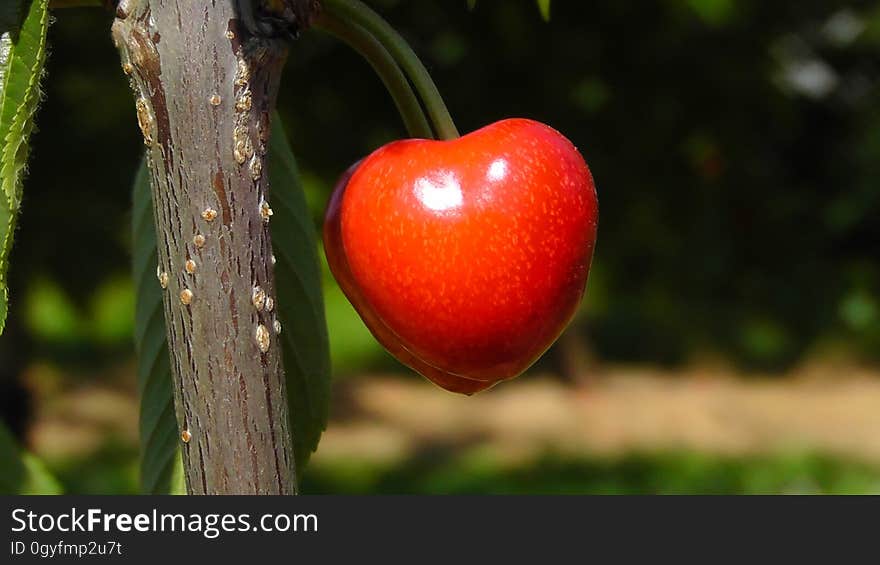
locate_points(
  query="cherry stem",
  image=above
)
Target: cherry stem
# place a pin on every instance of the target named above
(385, 66)
(358, 12)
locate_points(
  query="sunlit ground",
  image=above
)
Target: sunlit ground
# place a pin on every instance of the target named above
(623, 429)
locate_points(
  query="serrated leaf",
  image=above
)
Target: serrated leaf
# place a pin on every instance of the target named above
(158, 426)
(305, 345)
(22, 472)
(300, 307)
(544, 7)
(22, 56)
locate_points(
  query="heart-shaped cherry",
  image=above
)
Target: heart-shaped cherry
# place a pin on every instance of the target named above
(466, 258)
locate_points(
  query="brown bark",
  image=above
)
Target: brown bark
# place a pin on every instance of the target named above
(204, 91)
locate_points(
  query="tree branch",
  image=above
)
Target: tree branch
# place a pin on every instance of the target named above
(204, 90)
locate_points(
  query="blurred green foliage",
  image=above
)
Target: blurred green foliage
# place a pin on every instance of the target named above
(661, 473)
(106, 319)
(21, 472)
(114, 469)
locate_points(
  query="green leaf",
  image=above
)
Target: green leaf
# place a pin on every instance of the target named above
(21, 472)
(471, 4)
(300, 305)
(304, 340)
(158, 425)
(22, 57)
(544, 7)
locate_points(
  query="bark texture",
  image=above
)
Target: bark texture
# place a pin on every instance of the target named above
(204, 89)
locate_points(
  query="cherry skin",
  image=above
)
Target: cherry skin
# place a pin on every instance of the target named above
(466, 258)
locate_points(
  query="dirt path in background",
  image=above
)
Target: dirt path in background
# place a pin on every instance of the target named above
(819, 409)
(823, 409)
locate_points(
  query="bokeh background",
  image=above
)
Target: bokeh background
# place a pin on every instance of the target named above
(730, 338)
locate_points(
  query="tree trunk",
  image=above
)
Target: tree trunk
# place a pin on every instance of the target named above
(204, 89)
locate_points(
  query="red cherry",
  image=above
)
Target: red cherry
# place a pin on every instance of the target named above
(466, 258)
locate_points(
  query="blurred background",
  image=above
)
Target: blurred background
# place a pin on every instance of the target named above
(730, 338)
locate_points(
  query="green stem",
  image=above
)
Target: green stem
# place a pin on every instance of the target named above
(358, 12)
(385, 66)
